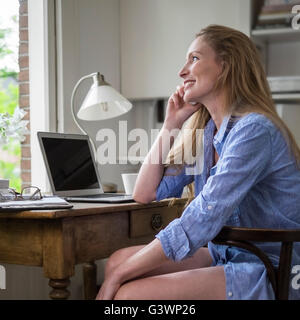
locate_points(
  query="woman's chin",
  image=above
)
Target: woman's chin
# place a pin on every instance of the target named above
(187, 98)
(190, 100)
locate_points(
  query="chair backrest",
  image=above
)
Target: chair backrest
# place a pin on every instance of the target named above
(242, 237)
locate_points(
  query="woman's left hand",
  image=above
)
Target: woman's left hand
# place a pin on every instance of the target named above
(148, 258)
(108, 289)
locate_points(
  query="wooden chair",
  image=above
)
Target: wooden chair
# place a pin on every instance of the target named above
(241, 237)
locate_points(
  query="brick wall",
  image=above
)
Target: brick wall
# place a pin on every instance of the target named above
(24, 90)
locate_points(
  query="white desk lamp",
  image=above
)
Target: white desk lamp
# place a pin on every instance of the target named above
(101, 102)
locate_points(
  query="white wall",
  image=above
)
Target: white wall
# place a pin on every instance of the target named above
(156, 34)
(283, 60)
(88, 42)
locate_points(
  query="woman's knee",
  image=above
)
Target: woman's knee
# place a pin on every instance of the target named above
(113, 261)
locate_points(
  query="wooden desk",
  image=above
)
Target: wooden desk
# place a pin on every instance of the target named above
(57, 240)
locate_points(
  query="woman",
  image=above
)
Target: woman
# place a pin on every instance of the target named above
(249, 177)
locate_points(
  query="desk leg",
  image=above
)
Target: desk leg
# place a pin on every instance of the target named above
(59, 255)
(90, 280)
(59, 288)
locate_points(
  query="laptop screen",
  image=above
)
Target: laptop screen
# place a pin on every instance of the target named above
(70, 164)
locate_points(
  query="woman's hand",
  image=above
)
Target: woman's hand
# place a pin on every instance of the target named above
(143, 261)
(178, 111)
(109, 288)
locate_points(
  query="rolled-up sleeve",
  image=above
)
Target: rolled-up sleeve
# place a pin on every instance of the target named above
(172, 183)
(243, 163)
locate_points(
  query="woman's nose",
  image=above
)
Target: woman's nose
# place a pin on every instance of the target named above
(183, 72)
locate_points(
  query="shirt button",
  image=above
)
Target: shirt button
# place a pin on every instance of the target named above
(209, 207)
(229, 294)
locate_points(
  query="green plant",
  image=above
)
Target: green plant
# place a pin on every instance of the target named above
(11, 171)
(10, 148)
(9, 98)
(11, 132)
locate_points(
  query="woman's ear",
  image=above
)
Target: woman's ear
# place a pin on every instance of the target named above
(224, 68)
(223, 64)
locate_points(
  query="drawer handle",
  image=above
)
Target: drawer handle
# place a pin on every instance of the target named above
(156, 221)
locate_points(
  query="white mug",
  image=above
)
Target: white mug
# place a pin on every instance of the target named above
(129, 180)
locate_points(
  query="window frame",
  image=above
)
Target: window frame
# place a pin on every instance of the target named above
(42, 86)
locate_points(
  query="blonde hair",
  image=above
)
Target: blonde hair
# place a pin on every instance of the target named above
(246, 86)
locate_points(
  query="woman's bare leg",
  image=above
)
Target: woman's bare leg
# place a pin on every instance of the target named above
(191, 279)
(200, 259)
(197, 284)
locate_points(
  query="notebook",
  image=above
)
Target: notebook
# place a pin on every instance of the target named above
(44, 203)
(72, 170)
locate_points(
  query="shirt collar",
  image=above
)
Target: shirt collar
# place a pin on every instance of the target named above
(223, 129)
(227, 124)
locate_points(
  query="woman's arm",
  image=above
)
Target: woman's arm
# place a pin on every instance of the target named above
(152, 169)
(145, 260)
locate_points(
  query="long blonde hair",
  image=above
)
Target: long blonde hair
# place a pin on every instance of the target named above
(246, 87)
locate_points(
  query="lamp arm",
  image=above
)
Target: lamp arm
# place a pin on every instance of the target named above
(95, 74)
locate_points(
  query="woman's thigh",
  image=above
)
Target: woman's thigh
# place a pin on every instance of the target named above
(196, 284)
(200, 259)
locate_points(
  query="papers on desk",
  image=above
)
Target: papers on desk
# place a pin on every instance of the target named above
(45, 203)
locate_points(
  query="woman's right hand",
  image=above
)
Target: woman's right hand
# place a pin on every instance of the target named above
(178, 111)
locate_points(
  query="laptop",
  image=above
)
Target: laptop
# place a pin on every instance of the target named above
(72, 170)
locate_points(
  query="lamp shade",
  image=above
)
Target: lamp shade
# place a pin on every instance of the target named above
(103, 102)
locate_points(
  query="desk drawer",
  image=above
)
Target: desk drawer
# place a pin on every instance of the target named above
(145, 222)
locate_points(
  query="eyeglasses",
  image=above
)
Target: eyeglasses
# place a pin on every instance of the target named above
(27, 193)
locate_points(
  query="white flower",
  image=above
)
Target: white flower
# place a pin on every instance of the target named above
(13, 126)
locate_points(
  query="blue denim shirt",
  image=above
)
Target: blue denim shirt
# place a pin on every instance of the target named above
(255, 183)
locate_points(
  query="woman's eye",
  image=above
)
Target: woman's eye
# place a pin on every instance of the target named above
(194, 58)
